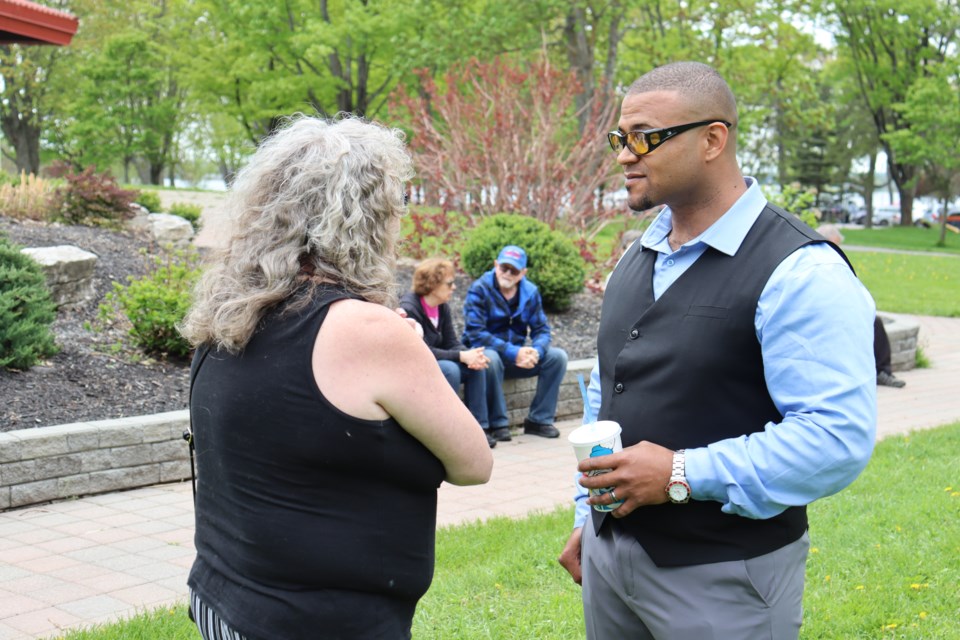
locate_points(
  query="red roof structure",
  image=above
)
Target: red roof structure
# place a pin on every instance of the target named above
(24, 22)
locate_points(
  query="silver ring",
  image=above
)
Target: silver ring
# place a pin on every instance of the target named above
(613, 494)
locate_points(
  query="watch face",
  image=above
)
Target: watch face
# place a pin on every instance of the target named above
(678, 491)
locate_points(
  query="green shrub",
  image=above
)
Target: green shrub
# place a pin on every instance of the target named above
(150, 200)
(156, 303)
(798, 201)
(553, 262)
(95, 199)
(26, 310)
(189, 212)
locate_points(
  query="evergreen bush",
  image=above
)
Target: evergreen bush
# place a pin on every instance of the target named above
(153, 305)
(150, 200)
(553, 262)
(26, 310)
(189, 212)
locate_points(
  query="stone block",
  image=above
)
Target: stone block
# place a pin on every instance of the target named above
(13, 473)
(58, 466)
(903, 334)
(97, 460)
(132, 456)
(42, 443)
(68, 270)
(119, 435)
(169, 229)
(4, 498)
(170, 450)
(11, 448)
(127, 478)
(33, 492)
(83, 440)
(75, 485)
(175, 470)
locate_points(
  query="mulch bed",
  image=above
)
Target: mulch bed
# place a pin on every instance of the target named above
(95, 376)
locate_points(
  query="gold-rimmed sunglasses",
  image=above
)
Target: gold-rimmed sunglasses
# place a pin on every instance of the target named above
(640, 143)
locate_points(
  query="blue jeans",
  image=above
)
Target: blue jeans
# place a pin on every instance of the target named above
(474, 388)
(549, 372)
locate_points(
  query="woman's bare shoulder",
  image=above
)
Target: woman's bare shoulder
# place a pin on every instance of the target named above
(374, 323)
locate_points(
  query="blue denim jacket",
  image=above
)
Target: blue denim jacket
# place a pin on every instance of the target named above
(489, 323)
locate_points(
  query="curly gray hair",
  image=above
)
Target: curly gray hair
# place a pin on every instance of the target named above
(321, 197)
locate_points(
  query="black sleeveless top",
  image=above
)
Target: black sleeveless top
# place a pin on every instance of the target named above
(306, 517)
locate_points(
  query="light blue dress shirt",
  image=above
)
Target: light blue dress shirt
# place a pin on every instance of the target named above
(814, 322)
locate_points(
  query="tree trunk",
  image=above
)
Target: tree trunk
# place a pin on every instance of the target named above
(580, 56)
(156, 173)
(24, 135)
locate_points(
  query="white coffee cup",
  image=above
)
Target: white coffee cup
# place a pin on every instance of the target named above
(599, 438)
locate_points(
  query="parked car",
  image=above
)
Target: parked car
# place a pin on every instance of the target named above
(929, 219)
(953, 219)
(882, 216)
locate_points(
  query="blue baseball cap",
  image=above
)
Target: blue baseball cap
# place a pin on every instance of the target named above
(513, 256)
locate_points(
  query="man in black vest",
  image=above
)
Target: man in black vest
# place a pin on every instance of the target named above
(735, 350)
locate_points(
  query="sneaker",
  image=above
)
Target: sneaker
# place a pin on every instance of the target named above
(889, 380)
(490, 440)
(501, 434)
(532, 428)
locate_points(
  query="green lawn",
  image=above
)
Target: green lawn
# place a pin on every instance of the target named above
(884, 563)
(907, 283)
(885, 558)
(903, 238)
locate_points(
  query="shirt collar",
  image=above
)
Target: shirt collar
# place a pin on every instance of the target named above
(725, 235)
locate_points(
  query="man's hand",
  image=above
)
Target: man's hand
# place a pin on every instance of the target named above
(474, 359)
(570, 556)
(527, 358)
(639, 476)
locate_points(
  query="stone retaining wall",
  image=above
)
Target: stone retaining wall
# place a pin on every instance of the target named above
(52, 463)
(65, 461)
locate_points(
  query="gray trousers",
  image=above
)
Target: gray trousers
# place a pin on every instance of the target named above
(627, 597)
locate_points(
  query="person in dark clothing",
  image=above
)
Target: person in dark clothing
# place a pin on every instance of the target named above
(323, 427)
(734, 352)
(881, 354)
(502, 311)
(881, 342)
(433, 285)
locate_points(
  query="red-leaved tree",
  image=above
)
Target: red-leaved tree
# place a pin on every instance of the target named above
(493, 138)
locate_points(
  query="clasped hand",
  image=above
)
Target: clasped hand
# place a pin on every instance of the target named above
(639, 474)
(474, 359)
(527, 358)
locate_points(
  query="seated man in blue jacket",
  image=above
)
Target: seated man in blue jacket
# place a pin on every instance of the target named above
(501, 311)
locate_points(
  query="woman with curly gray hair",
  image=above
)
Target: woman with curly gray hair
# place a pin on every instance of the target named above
(322, 424)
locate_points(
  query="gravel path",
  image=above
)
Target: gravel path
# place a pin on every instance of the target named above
(94, 378)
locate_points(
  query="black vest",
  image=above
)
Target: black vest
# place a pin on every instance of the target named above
(685, 371)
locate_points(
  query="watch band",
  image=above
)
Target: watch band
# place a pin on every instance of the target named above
(678, 490)
(679, 465)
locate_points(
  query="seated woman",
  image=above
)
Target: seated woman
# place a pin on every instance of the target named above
(322, 426)
(433, 285)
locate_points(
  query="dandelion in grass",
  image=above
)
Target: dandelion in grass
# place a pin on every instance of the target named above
(916, 586)
(860, 587)
(922, 615)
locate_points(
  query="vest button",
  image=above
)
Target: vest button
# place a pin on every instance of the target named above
(634, 334)
(618, 387)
